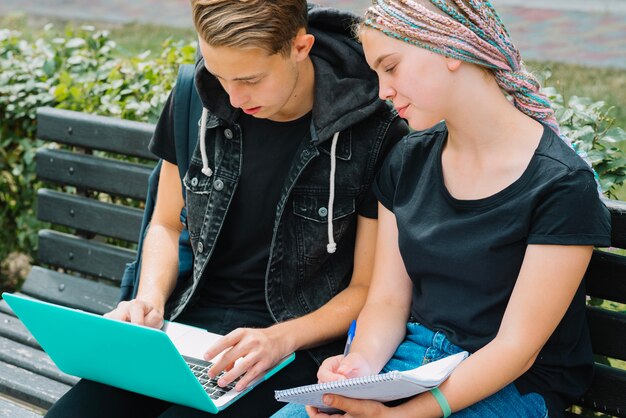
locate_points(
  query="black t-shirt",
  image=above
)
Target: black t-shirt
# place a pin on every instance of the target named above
(464, 256)
(235, 275)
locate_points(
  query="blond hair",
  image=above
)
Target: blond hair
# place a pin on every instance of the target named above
(265, 24)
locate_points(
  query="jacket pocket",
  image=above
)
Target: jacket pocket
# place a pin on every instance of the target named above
(311, 214)
(198, 188)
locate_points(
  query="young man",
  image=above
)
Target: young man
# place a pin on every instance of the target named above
(279, 209)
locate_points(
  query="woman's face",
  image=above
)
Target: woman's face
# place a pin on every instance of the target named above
(417, 81)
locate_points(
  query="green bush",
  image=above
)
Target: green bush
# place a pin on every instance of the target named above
(80, 70)
(591, 128)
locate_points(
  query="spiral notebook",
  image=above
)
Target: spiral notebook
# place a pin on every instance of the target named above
(381, 387)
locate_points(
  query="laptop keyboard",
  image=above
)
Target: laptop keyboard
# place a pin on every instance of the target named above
(199, 369)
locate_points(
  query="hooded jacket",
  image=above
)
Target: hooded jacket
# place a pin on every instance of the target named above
(312, 248)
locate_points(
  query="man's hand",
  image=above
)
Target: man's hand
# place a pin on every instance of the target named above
(138, 312)
(249, 352)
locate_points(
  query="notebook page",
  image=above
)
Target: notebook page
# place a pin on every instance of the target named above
(434, 373)
(383, 387)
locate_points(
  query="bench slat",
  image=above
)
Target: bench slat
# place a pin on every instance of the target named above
(608, 332)
(78, 254)
(95, 132)
(30, 387)
(93, 173)
(13, 329)
(607, 391)
(12, 410)
(71, 291)
(618, 222)
(4, 308)
(33, 360)
(89, 215)
(606, 276)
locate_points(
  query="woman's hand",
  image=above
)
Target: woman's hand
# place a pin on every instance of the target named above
(354, 408)
(340, 367)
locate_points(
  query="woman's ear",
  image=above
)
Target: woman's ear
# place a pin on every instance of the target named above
(453, 63)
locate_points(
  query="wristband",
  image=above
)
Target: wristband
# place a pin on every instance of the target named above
(442, 401)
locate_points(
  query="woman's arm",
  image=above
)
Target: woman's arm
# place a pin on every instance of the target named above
(381, 323)
(548, 280)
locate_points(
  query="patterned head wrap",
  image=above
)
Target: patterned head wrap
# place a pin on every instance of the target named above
(471, 31)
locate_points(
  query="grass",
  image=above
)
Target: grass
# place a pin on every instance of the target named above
(605, 84)
(132, 39)
(135, 38)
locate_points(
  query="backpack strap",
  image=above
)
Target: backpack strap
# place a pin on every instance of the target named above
(187, 113)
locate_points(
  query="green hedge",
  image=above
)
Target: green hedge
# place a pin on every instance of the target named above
(84, 70)
(80, 70)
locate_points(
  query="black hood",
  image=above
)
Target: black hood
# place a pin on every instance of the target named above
(346, 89)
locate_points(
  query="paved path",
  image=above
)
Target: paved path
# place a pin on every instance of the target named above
(589, 32)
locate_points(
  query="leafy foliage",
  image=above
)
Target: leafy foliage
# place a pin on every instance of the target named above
(80, 70)
(591, 128)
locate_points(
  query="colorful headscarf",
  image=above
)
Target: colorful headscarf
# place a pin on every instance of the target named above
(471, 31)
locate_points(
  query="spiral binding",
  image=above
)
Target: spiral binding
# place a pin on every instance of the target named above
(328, 387)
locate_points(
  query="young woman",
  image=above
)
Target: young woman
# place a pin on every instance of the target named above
(486, 224)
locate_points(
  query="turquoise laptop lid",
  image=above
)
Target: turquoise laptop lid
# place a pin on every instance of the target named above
(128, 356)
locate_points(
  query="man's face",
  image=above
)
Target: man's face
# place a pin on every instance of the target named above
(261, 85)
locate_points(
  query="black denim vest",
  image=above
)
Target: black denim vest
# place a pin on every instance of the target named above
(301, 275)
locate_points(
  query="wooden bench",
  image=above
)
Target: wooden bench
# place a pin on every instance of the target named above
(81, 267)
(606, 279)
(78, 268)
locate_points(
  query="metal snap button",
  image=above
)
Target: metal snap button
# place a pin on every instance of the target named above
(218, 185)
(228, 134)
(200, 247)
(323, 212)
(194, 181)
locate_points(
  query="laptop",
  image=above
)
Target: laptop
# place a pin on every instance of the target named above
(166, 364)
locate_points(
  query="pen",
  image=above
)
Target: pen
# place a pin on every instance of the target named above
(351, 333)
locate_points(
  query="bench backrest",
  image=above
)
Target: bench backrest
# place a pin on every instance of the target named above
(97, 202)
(606, 280)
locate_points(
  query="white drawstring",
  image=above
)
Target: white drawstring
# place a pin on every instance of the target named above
(206, 170)
(332, 246)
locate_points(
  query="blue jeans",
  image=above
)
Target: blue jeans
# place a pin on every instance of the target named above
(421, 346)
